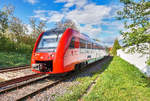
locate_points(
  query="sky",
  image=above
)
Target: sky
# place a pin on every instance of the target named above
(97, 18)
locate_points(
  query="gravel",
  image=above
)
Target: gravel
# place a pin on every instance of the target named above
(51, 93)
(62, 88)
(13, 95)
(15, 74)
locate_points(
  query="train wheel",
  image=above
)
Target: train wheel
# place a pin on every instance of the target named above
(86, 63)
(78, 67)
(83, 64)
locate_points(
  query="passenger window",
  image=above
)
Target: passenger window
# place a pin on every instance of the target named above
(72, 43)
(94, 46)
(89, 45)
(82, 43)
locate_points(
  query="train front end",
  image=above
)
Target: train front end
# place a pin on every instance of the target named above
(44, 52)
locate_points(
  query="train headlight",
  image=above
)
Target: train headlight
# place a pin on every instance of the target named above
(52, 55)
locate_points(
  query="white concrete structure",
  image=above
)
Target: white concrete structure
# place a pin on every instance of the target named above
(136, 59)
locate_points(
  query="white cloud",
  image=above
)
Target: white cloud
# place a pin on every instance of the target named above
(40, 14)
(32, 1)
(85, 14)
(40, 11)
(70, 3)
(113, 24)
(29, 29)
(109, 41)
(91, 31)
(49, 16)
(55, 16)
(90, 14)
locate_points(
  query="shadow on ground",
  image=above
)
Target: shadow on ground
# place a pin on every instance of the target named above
(97, 67)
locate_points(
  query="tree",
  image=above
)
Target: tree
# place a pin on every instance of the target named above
(98, 40)
(4, 18)
(18, 29)
(3, 21)
(37, 28)
(66, 24)
(116, 46)
(33, 26)
(70, 24)
(135, 15)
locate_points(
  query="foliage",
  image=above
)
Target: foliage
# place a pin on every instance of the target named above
(17, 28)
(66, 24)
(14, 34)
(3, 21)
(135, 15)
(148, 61)
(37, 28)
(10, 46)
(107, 50)
(13, 59)
(5, 13)
(115, 47)
(121, 81)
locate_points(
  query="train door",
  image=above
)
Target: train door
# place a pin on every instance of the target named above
(70, 54)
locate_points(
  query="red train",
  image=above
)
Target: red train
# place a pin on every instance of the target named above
(59, 51)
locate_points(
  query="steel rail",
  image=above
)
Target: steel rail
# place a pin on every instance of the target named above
(21, 85)
(18, 80)
(40, 90)
(9, 69)
(53, 84)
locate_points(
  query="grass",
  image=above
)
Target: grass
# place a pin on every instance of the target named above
(76, 91)
(120, 82)
(13, 59)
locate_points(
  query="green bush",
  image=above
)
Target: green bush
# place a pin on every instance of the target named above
(148, 61)
(8, 59)
(23, 48)
(8, 45)
(116, 46)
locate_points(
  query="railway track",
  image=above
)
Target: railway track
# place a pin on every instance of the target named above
(30, 95)
(12, 84)
(9, 69)
(47, 84)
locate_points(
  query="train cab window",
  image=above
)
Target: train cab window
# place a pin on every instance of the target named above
(49, 41)
(72, 43)
(82, 43)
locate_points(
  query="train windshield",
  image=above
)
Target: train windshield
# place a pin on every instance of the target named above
(49, 42)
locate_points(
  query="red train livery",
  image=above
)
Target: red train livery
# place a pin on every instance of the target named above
(59, 51)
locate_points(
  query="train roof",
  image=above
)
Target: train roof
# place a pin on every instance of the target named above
(91, 40)
(55, 30)
(85, 35)
(62, 30)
